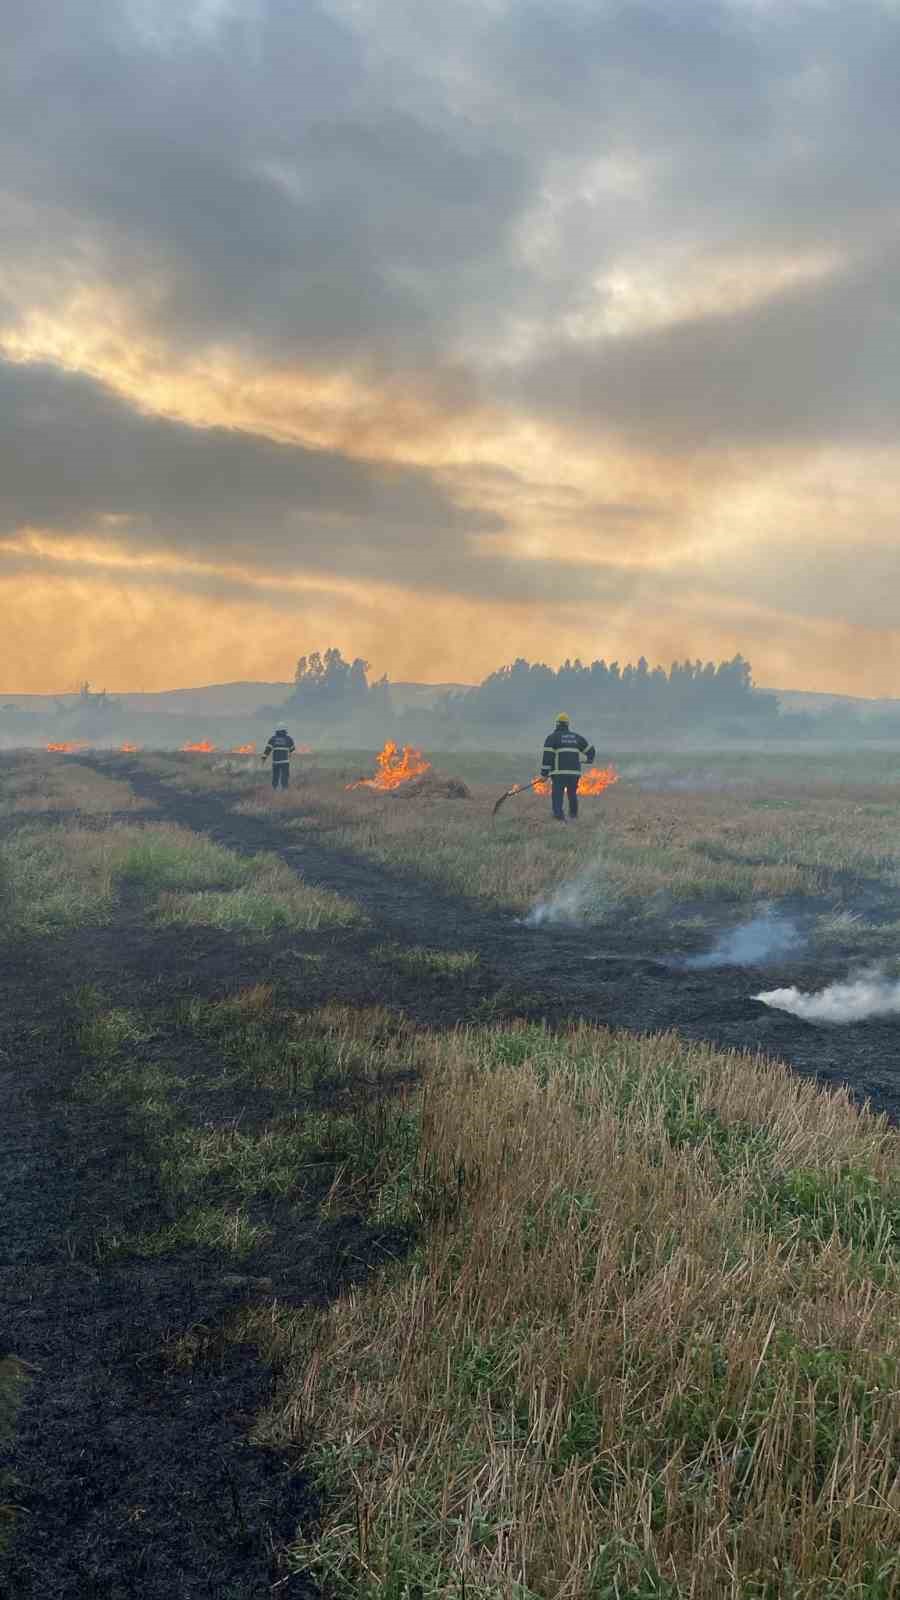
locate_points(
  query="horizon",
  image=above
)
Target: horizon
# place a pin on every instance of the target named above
(402, 683)
(516, 322)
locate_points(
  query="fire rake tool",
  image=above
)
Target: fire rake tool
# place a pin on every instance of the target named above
(517, 788)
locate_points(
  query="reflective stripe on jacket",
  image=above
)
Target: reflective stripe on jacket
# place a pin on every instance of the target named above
(280, 747)
(563, 749)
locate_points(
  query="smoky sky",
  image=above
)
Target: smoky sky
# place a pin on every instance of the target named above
(440, 194)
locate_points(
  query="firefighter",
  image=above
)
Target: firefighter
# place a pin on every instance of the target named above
(561, 763)
(281, 748)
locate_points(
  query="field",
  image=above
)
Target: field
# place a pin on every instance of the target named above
(405, 1201)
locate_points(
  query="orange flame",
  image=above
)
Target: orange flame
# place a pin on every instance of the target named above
(203, 747)
(243, 750)
(129, 749)
(395, 766)
(68, 745)
(596, 779)
(303, 750)
(593, 781)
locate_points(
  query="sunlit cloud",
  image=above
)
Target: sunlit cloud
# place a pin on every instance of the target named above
(462, 313)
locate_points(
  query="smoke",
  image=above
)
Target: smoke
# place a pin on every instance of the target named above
(869, 995)
(571, 902)
(662, 780)
(765, 938)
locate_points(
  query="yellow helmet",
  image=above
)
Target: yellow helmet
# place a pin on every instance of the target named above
(563, 716)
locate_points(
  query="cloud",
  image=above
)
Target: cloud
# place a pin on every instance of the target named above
(508, 301)
(75, 457)
(814, 363)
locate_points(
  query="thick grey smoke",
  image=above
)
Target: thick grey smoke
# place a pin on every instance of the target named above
(869, 995)
(765, 938)
(578, 900)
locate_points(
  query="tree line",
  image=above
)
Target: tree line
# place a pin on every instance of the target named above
(328, 687)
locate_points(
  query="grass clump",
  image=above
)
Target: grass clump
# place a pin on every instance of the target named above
(224, 1228)
(275, 899)
(419, 962)
(607, 1371)
(168, 857)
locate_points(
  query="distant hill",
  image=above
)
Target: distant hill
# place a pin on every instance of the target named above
(221, 699)
(214, 699)
(793, 700)
(243, 699)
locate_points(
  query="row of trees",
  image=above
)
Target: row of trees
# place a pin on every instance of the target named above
(690, 689)
(326, 687)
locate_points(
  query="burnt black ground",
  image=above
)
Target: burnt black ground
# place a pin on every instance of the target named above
(136, 1480)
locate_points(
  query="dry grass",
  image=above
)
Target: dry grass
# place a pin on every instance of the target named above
(41, 783)
(648, 1347)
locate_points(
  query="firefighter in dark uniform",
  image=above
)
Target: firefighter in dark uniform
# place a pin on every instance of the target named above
(561, 763)
(280, 747)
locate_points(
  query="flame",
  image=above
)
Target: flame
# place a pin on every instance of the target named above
(203, 747)
(68, 745)
(129, 749)
(395, 766)
(593, 781)
(243, 750)
(596, 779)
(303, 750)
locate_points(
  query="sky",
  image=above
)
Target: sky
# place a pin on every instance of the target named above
(448, 333)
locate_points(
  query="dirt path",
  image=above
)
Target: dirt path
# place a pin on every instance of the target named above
(629, 979)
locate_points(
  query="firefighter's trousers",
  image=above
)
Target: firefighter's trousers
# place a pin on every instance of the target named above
(280, 771)
(566, 784)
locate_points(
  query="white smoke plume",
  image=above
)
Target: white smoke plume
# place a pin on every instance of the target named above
(765, 938)
(869, 995)
(571, 902)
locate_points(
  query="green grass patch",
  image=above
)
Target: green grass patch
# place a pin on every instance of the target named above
(861, 1209)
(222, 1228)
(56, 879)
(161, 858)
(278, 901)
(419, 962)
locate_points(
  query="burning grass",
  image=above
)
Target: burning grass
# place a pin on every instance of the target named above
(46, 783)
(648, 1344)
(394, 767)
(67, 877)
